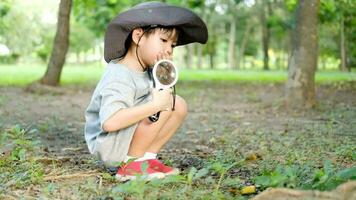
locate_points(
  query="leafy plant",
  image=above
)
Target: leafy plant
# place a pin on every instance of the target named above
(280, 177)
(17, 168)
(327, 178)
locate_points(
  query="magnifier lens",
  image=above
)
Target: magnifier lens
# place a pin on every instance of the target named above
(166, 73)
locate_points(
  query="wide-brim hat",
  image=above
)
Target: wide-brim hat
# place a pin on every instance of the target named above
(191, 26)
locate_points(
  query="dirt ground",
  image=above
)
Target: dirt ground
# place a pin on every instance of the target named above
(216, 111)
(213, 109)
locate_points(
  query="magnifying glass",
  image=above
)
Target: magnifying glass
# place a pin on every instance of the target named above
(165, 75)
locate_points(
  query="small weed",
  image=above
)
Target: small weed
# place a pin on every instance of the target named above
(17, 168)
(280, 177)
(326, 178)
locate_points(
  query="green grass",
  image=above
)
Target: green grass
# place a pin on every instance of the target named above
(259, 76)
(215, 180)
(19, 75)
(313, 150)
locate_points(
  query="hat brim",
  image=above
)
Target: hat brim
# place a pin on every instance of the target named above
(192, 28)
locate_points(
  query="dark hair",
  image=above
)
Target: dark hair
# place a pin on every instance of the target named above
(169, 30)
(149, 30)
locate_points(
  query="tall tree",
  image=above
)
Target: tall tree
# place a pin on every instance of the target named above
(300, 87)
(232, 41)
(343, 64)
(60, 46)
(265, 31)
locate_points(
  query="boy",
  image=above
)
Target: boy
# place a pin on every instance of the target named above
(117, 127)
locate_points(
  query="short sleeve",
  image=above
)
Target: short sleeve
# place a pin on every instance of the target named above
(115, 96)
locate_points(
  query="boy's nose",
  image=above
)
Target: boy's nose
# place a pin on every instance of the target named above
(169, 50)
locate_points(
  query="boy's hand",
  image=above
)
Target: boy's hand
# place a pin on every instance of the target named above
(162, 99)
(162, 56)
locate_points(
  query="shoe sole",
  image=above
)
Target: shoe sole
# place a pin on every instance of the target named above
(148, 177)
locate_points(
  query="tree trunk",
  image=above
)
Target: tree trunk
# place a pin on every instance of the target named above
(265, 36)
(200, 56)
(211, 57)
(60, 46)
(101, 52)
(323, 62)
(300, 87)
(232, 38)
(243, 45)
(343, 64)
(189, 56)
(77, 55)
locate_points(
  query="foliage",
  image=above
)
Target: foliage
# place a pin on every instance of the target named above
(90, 18)
(81, 38)
(295, 176)
(5, 7)
(327, 178)
(280, 177)
(25, 39)
(17, 168)
(332, 14)
(96, 15)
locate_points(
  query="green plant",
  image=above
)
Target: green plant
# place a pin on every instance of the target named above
(17, 167)
(280, 177)
(327, 178)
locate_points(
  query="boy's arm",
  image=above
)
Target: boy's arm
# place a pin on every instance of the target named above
(128, 116)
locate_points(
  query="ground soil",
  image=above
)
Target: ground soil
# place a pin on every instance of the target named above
(215, 110)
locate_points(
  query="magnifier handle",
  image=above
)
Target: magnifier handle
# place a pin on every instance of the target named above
(154, 117)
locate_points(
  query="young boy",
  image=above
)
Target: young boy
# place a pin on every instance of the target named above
(117, 127)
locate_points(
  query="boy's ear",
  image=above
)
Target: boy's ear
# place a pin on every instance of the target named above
(136, 34)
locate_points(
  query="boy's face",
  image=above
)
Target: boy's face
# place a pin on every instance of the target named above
(157, 46)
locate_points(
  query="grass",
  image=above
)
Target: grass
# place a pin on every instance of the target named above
(20, 75)
(215, 180)
(310, 152)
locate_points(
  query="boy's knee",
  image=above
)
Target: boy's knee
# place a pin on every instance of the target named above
(181, 107)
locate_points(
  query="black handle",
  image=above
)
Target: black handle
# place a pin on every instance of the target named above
(154, 117)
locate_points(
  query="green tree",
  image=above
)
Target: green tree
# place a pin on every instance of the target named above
(300, 87)
(26, 34)
(339, 20)
(5, 7)
(60, 45)
(97, 14)
(81, 39)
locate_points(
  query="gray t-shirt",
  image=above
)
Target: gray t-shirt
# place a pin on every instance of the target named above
(119, 87)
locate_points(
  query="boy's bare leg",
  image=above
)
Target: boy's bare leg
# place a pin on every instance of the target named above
(170, 127)
(152, 136)
(145, 133)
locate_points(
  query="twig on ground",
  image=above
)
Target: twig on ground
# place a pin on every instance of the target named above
(72, 149)
(70, 176)
(48, 161)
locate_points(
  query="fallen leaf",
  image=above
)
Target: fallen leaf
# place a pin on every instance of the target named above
(251, 189)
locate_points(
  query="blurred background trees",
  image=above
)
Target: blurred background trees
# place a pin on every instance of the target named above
(244, 34)
(295, 35)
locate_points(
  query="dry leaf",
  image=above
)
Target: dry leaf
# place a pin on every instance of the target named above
(251, 189)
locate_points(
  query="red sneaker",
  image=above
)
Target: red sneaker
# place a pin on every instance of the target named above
(160, 167)
(132, 170)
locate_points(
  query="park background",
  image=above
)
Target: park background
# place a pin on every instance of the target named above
(251, 121)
